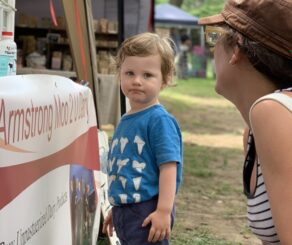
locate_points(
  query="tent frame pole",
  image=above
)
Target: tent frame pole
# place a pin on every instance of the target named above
(121, 38)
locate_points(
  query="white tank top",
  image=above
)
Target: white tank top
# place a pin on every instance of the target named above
(259, 214)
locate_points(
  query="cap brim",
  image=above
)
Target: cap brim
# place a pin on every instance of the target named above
(214, 19)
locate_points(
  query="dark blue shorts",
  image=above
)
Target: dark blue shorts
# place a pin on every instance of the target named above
(128, 219)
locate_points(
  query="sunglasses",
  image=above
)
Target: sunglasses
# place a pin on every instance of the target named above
(212, 34)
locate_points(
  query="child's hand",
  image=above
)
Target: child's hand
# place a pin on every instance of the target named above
(108, 224)
(160, 225)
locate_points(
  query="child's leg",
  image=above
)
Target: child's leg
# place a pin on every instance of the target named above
(128, 221)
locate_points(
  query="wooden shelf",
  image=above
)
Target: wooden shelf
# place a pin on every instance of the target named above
(29, 70)
(106, 34)
(58, 41)
(40, 28)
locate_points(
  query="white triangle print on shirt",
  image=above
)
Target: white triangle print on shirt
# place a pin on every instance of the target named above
(137, 183)
(111, 201)
(140, 144)
(122, 163)
(111, 179)
(111, 163)
(138, 166)
(123, 142)
(115, 142)
(137, 197)
(123, 198)
(124, 181)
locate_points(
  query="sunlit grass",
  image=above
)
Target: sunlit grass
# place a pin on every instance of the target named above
(179, 97)
(197, 87)
(231, 141)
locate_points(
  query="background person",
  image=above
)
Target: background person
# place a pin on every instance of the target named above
(182, 62)
(145, 158)
(253, 59)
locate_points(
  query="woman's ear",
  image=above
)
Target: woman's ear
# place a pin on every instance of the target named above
(235, 57)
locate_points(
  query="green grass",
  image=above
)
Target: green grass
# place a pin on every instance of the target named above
(211, 174)
(199, 237)
(198, 87)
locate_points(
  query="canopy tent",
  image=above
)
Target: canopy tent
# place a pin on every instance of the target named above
(167, 15)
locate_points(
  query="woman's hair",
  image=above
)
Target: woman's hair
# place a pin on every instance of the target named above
(146, 44)
(276, 68)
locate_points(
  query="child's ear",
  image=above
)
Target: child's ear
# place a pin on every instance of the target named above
(165, 83)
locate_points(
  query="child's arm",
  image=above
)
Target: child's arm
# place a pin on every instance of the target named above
(161, 218)
(108, 224)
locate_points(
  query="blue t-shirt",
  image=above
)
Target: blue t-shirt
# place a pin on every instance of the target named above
(141, 142)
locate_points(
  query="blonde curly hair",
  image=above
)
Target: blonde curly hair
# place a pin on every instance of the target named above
(146, 44)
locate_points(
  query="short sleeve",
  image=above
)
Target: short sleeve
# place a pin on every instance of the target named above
(165, 140)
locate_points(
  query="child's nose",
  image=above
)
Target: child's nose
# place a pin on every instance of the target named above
(137, 80)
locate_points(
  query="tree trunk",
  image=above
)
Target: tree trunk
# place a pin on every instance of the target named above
(177, 3)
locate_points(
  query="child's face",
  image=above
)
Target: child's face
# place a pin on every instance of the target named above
(141, 80)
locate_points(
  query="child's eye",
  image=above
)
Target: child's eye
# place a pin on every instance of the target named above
(129, 73)
(147, 75)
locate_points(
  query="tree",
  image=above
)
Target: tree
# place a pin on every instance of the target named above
(199, 8)
(177, 3)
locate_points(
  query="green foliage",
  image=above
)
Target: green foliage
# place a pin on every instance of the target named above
(199, 8)
(161, 1)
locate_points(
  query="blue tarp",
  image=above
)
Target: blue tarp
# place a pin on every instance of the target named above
(171, 15)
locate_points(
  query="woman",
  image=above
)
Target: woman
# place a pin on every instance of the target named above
(252, 43)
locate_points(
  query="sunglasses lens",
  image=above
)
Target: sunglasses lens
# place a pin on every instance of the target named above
(212, 38)
(213, 34)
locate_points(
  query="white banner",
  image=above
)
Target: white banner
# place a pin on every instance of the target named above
(48, 156)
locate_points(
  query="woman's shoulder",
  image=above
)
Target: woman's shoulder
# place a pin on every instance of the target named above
(271, 110)
(271, 102)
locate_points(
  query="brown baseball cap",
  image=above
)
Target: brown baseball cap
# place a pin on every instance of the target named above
(268, 22)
